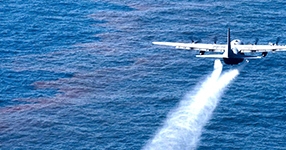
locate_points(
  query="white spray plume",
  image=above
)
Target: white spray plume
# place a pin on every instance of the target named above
(183, 127)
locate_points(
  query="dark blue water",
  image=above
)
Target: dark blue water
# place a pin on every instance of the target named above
(85, 75)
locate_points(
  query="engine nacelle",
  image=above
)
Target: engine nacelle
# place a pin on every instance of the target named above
(264, 54)
(202, 52)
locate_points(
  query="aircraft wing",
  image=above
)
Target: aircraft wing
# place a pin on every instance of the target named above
(260, 48)
(195, 46)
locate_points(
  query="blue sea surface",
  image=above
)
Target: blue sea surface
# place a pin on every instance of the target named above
(85, 75)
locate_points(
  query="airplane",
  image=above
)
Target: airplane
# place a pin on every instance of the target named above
(233, 52)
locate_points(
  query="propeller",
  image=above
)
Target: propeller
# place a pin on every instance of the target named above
(215, 39)
(256, 41)
(276, 43)
(196, 41)
(192, 39)
(277, 40)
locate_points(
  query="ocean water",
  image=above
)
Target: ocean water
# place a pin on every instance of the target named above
(85, 75)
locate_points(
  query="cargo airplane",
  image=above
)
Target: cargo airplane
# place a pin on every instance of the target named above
(232, 53)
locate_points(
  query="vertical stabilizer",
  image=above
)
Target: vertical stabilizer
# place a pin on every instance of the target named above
(228, 49)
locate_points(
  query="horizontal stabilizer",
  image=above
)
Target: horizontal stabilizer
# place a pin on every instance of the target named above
(211, 56)
(223, 56)
(250, 57)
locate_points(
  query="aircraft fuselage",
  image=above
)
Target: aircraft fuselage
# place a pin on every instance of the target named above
(234, 57)
(232, 61)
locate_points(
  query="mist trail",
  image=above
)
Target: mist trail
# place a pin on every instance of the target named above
(183, 127)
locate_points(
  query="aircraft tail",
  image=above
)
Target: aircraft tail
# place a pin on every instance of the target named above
(228, 49)
(228, 52)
